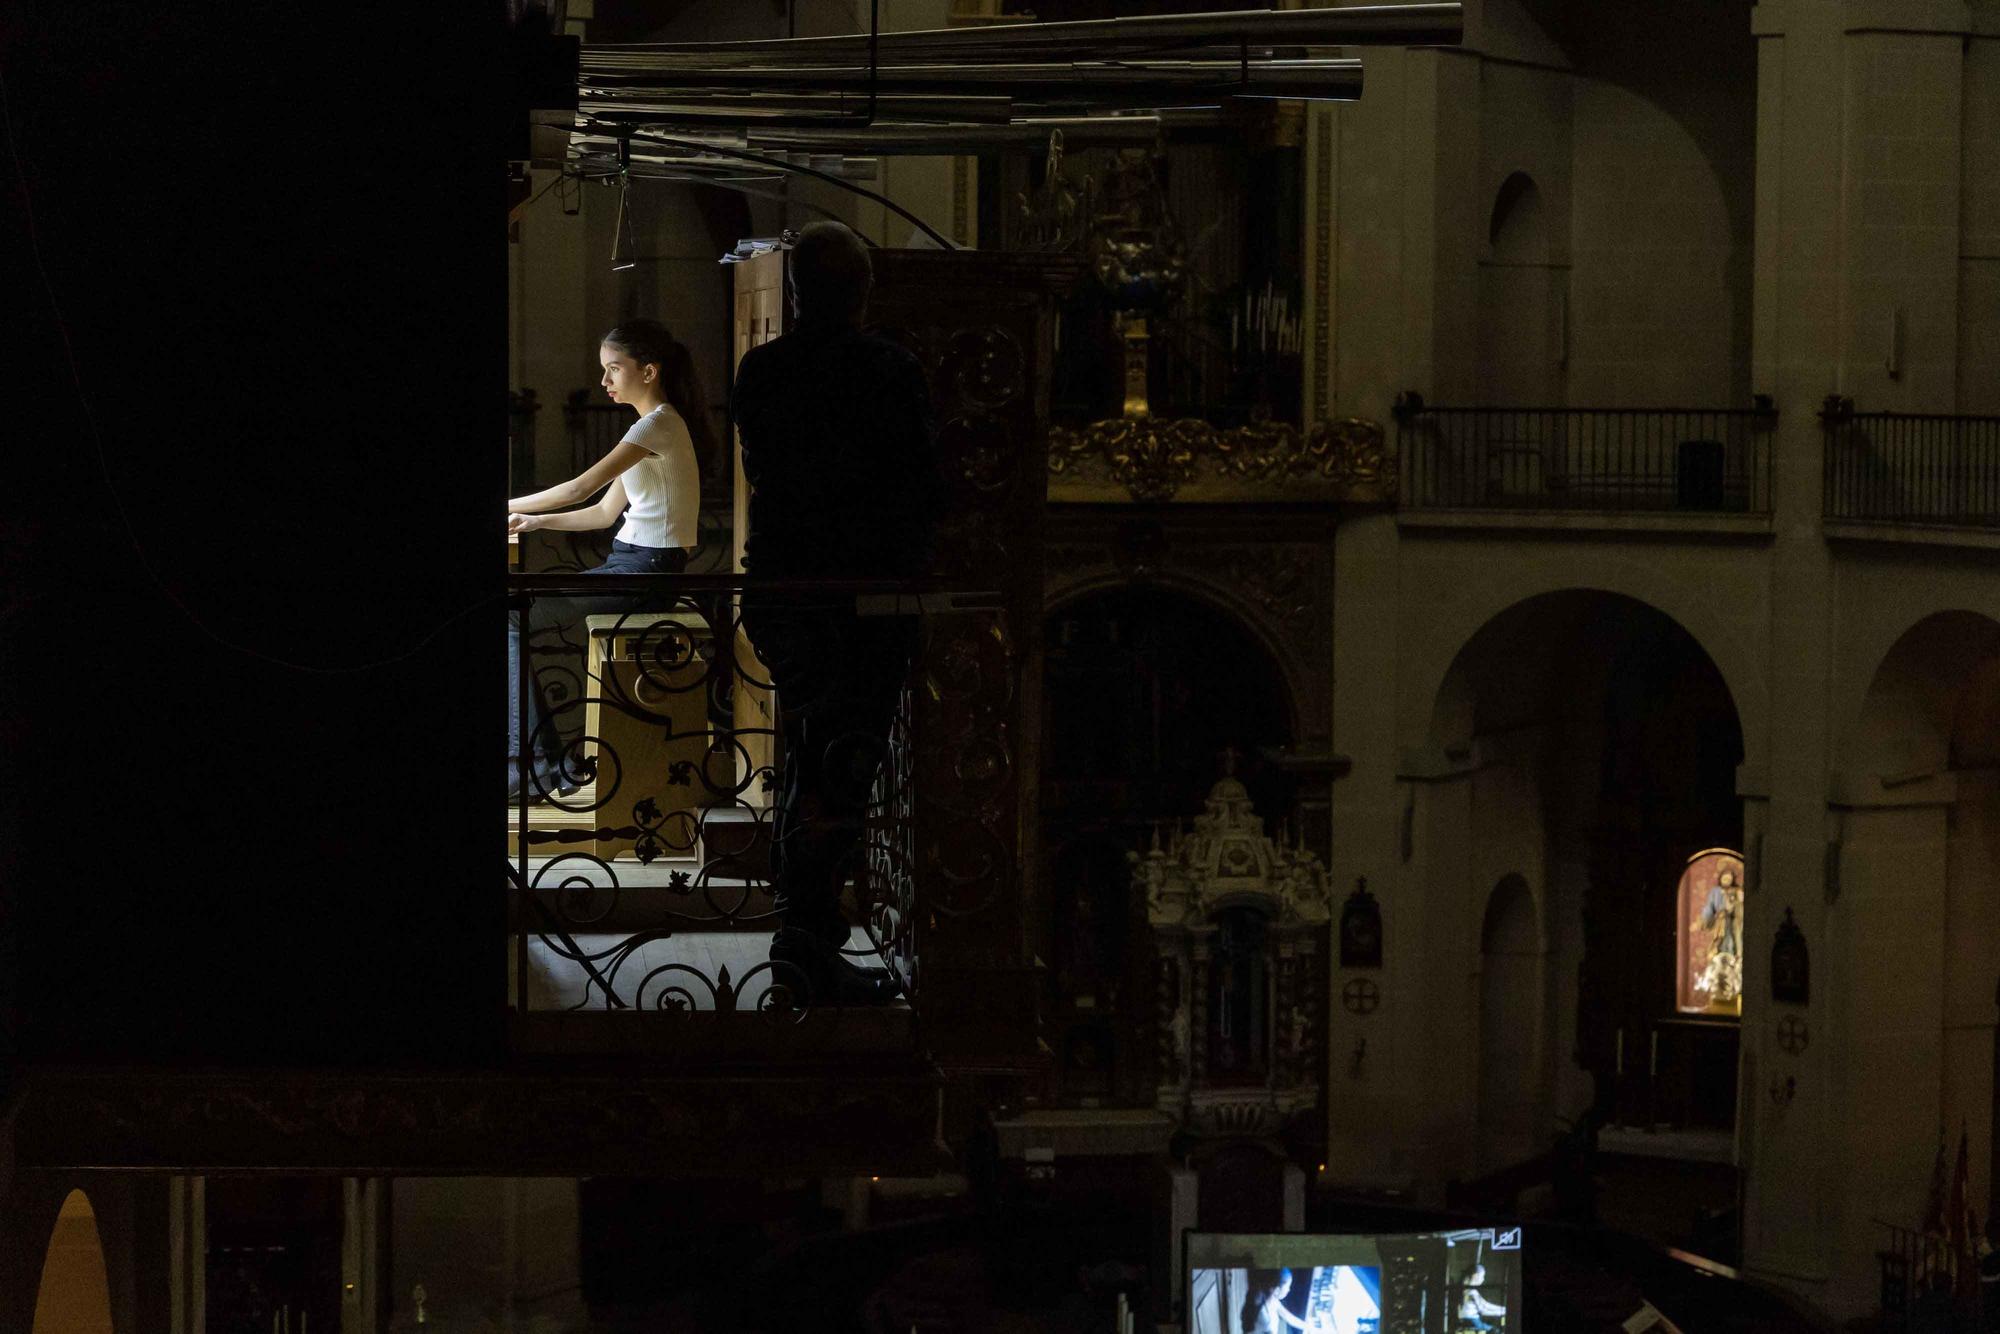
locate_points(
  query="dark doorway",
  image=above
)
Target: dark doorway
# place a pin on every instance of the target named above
(1147, 691)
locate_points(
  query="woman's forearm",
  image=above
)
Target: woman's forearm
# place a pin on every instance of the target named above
(559, 496)
(577, 521)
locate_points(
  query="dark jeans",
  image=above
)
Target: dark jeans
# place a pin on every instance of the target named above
(838, 677)
(548, 612)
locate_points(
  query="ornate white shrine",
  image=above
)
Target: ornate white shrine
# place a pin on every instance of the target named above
(1239, 921)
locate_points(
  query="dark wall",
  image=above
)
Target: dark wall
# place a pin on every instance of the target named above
(268, 242)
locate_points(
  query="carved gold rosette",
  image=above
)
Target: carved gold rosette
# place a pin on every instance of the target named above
(1153, 460)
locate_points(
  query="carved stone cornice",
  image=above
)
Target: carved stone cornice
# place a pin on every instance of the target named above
(1157, 459)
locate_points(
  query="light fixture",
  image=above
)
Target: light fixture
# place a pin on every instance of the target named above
(624, 252)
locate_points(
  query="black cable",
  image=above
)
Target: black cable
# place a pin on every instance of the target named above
(718, 183)
(781, 165)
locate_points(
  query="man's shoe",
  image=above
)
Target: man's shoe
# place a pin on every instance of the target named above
(832, 978)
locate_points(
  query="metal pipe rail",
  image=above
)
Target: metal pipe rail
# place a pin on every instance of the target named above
(885, 140)
(1336, 71)
(1430, 24)
(1077, 131)
(945, 92)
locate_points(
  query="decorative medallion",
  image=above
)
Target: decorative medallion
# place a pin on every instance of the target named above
(1361, 995)
(1793, 1035)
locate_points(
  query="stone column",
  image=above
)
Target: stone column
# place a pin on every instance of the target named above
(1858, 166)
(187, 1254)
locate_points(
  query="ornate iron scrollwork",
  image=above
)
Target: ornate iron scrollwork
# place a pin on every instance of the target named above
(666, 838)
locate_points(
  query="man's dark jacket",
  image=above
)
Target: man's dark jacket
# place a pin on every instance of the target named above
(837, 447)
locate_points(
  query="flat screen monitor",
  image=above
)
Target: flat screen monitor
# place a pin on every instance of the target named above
(1460, 1282)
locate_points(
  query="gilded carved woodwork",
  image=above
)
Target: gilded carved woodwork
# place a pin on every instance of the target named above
(982, 325)
(1154, 460)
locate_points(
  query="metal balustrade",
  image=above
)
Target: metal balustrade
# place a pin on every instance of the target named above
(1910, 468)
(1658, 460)
(648, 888)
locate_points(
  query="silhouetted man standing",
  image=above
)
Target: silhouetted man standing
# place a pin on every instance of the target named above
(836, 433)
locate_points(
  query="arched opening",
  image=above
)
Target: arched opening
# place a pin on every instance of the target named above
(1708, 971)
(1517, 232)
(1146, 690)
(1916, 912)
(1520, 291)
(1510, 982)
(75, 1292)
(1594, 746)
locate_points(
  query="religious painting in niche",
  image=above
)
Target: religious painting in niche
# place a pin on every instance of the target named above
(1710, 931)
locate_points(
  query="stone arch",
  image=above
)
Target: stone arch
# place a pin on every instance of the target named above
(1520, 292)
(1517, 230)
(1523, 591)
(1282, 655)
(1545, 755)
(1522, 620)
(74, 1296)
(1919, 831)
(1512, 922)
(1920, 701)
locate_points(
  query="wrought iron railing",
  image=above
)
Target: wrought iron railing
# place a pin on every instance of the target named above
(1930, 1280)
(648, 888)
(1910, 468)
(1714, 460)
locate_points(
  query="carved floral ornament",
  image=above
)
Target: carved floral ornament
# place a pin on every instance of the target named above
(1228, 859)
(1154, 459)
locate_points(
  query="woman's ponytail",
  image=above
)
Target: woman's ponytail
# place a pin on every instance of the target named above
(649, 342)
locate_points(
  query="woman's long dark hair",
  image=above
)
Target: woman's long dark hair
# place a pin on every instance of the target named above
(648, 342)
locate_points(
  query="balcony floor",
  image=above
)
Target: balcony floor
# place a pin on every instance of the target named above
(685, 955)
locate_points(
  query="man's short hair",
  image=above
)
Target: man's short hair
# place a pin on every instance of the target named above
(831, 274)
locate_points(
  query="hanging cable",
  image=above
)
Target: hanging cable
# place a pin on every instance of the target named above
(673, 141)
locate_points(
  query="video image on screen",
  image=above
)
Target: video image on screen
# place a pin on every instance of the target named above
(1461, 1282)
